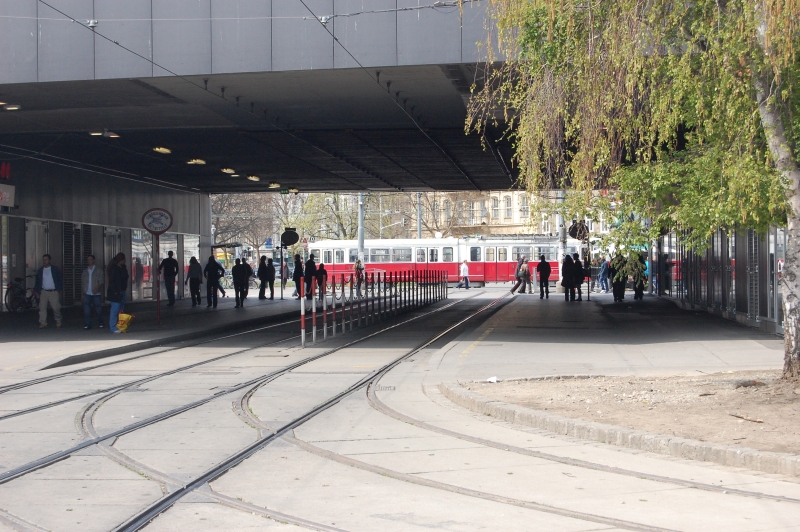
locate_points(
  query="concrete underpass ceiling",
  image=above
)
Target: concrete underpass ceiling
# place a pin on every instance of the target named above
(323, 130)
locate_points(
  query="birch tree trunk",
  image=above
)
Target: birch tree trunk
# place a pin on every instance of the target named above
(775, 131)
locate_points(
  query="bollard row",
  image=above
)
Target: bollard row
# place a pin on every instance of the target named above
(346, 302)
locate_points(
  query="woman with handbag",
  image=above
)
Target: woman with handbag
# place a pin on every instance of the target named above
(117, 276)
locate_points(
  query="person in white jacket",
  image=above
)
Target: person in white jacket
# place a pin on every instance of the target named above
(464, 274)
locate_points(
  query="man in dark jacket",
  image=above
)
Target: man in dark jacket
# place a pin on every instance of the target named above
(322, 276)
(169, 268)
(241, 278)
(263, 276)
(48, 287)
(544, 269)
(213, 272)
(310, 273)
(519, 280)
(579, 276)
(297, 275)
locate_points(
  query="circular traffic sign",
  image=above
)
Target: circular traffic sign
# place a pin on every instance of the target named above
(289, 238)
(157, 221)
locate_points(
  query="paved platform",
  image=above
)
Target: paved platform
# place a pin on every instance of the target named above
(402, 457)
(25, 347)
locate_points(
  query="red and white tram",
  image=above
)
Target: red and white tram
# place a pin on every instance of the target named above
(490, 259)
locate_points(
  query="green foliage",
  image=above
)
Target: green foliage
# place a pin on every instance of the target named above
(654, 102)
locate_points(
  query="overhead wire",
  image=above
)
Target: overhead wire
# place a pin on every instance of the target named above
(198, 86)
(396, 103)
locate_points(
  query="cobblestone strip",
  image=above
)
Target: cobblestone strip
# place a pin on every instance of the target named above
(765, 461)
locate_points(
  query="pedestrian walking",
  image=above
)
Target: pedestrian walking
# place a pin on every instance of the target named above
(284, 274)
(240, 276)
(297, 275)
(48, 287)
(618, 278)
(117, 290)
(309, 274)
(358, 272)
(322, 279)
(212, 272)
(261, 273)
(463, 275)
(169, 268)
(92, 281)
(250, 275)
(580, 275)
(194, 278)
(544, 269)
(520, 262)
(639, 278)
(568, 278)
(603, 274)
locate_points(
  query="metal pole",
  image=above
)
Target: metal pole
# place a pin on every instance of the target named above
(283, 281)
(313, 311)
(351, 303)
(333, 304)
(419, 214)
(302, 315)
(361, 227)
(158, 284)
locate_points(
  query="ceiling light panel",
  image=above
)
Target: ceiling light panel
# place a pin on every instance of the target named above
(161, 149)
(195, 161)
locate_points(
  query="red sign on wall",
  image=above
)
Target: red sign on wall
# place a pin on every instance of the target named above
(5, 170)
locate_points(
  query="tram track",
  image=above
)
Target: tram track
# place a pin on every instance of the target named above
(40, 463)
(142, 519)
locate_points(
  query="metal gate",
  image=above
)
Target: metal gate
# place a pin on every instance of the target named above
(752, 275)
(77, 241)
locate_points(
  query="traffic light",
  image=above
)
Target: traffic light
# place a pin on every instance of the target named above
(405, 221)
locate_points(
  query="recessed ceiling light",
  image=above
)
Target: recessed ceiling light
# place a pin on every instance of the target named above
(234, 175)
(274, 185)
(111, 135)
(2, 103)
(12, 107)
(253, 178)
(96, 133)
(161, 149)
(195, 161)
(228, 170)
(294, 190)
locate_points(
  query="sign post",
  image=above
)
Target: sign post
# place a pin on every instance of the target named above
(289, 237)
(157, 221)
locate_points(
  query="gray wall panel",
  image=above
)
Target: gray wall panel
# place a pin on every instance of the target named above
(371, 37)
(301, 44)
(18, 41)
(128, 23)
(66, 49)
(182, 36)
(239, 44)
(474, 27)
(427, 36)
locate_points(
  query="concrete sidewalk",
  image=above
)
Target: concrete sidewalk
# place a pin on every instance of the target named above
(25, 347)
(532, 337)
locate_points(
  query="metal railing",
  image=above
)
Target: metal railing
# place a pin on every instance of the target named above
(346, 302)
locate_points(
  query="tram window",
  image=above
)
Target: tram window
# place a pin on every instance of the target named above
(401, 255)
(353, 255)
(316, 254)
(520, 251)
(475, 254)
(420, 254)
(379, 255)
(339, 256)
(327, 256)
(447, 254)
(433, 255)
(489, 254)
(546, 251)
(502, 254)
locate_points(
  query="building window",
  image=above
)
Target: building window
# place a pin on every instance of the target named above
(495, 207)
(509, 211)
(436, 212)
(484, 212)
(459, 212)
(471, 212)
(524, 208)
(545, 224)
(447, 212)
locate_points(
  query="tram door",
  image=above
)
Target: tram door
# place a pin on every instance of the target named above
(421, 259)
(476, 265)
(490, 264)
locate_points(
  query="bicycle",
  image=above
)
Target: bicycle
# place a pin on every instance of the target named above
(17, 298)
